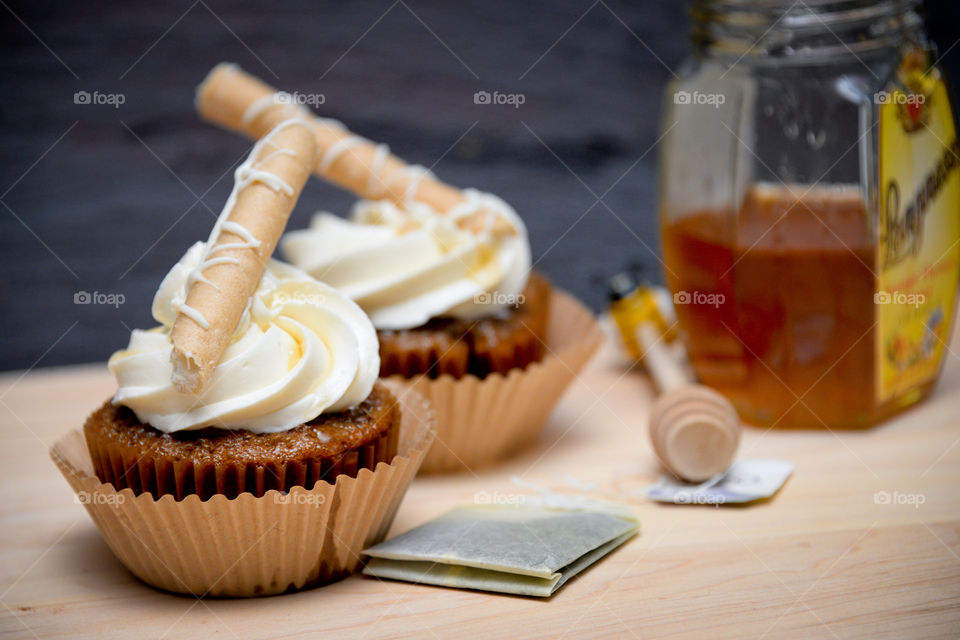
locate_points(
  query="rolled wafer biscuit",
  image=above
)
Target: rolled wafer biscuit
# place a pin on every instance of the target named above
(234, 99)
(266, 188)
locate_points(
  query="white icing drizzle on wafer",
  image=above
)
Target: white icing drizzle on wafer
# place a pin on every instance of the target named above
(278, 152)
(472, 207)
(374, 183)
(239, 230)
(415, 175)
(245, 175)
(463, 210)
(194, 315)
(338, 148)
(329, 123)
(197, 276)
(278, 99)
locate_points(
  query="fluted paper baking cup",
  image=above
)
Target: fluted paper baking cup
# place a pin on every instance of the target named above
(483, 421)
(251, 546)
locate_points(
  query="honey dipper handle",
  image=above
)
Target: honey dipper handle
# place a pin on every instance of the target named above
(666, 371)
(694, 430)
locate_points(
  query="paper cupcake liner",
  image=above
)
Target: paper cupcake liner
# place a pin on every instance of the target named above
(249, 546)
(124, 466)
(483, 421)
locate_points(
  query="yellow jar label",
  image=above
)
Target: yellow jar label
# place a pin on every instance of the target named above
(918, 257)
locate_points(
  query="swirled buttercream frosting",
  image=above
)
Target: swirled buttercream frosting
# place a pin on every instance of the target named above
(404, 266)
(301, 348)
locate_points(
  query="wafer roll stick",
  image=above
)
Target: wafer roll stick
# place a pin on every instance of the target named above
(267, 186)
(233, 99)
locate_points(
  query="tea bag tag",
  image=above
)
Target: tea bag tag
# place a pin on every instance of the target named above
(745, 481)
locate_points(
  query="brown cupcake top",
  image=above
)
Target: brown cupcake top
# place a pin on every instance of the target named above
(496, 344)
(323, 437)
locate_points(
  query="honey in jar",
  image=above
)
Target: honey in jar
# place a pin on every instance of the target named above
(810, 210)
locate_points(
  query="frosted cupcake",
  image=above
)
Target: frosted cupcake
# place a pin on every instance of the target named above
(292, 401)
(250, 448)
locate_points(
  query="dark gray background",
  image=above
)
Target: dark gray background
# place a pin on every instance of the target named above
(94, 198)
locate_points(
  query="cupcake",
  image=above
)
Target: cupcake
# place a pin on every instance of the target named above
(292, 401)
(444, 275)
(250, 448)
(460, 318)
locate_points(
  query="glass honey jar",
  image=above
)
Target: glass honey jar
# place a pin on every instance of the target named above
(810, 208)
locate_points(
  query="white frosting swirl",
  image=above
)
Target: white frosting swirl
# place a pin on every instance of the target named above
(301, 348)
(405, 266)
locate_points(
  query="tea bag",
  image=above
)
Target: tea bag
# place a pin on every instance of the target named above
(530, 549)
(745, 481)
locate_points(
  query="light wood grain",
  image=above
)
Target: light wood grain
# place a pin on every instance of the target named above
(820, 560)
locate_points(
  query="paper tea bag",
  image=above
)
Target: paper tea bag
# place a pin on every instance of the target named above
(529, 549)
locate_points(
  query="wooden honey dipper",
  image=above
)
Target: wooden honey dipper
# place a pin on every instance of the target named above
(695, 431)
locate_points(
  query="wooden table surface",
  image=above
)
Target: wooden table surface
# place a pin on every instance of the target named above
(824, 558)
